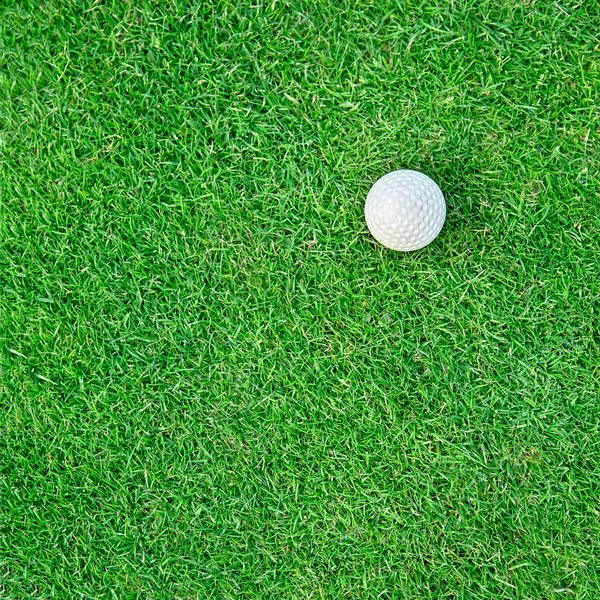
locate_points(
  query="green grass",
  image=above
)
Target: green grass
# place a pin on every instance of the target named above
(215, 384)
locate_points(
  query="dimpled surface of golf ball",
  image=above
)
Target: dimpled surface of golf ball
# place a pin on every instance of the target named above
(405, 210)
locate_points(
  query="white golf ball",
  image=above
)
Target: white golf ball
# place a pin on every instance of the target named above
(405, 210)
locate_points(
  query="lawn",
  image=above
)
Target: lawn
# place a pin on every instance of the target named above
(215, 384)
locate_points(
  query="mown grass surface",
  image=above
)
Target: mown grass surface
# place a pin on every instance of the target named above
(215, 384)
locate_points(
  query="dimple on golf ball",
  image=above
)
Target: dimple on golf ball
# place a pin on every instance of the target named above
(405, 210)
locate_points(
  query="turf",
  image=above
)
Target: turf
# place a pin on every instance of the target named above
(215, 384)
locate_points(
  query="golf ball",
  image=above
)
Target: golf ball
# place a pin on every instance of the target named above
(405, 210)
